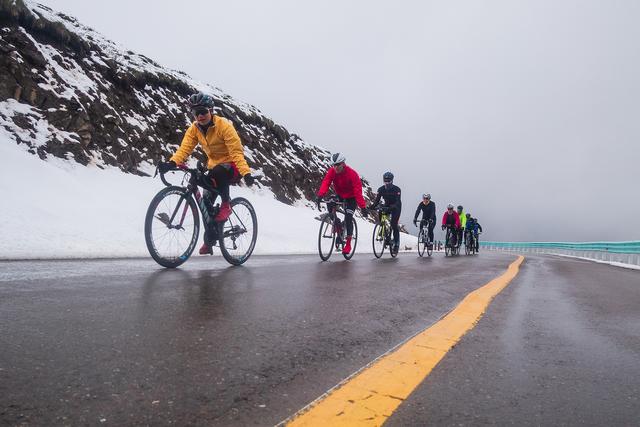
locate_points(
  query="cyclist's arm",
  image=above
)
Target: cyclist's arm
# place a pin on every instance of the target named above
(188, 144)
(326, 182)
(357, 189)
(480, 227)
(415, 217)
(444, 219)
(376, 201)
(234, 146)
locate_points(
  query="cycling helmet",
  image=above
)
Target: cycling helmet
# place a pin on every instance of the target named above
(337, 158)
(468, 215)
(200, 100)
(460, 207)
(387, 177)
(450, 206)
(426, 196)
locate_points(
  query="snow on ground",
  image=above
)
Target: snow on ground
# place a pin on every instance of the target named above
(60, 209)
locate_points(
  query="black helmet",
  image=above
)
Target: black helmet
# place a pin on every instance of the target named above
(387, 177)
(460, 207)
(468, 216)
(200, 100)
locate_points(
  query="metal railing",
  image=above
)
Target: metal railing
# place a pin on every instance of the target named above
(622, 252)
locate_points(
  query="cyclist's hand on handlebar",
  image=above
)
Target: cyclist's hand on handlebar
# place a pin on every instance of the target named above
(249, 180)
(365, 211)
(164, 167)
(318, 200)
(443, 227)
(415, 222)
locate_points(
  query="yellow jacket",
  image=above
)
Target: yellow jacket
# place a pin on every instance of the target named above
(221, 145)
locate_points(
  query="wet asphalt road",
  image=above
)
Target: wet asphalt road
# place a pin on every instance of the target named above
(559, 346)
(126, 342)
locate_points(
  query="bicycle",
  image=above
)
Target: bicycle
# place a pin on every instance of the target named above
(333, 231)
(423, 238)
(469, 243)
(172, 223)
(449, 248)
(382, 233)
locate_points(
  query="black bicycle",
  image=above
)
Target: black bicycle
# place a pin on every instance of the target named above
(469, 243)
(172, 224)
(424, 244)
(449, 247)
(333, 230)
(382, 234)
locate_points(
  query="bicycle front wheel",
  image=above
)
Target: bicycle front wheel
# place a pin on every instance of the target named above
(326, 237)
(238, 234)
(171, 226)
(421, 243)
(378, 240)
(354, 241)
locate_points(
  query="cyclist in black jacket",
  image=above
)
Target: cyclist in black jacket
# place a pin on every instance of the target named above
(391, 195)
(428, 209)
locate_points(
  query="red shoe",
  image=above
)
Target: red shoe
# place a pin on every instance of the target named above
(205, 249)
(224, 212)
(347, 247)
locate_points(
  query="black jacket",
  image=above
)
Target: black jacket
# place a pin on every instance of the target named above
(390, 195)
(428, 211)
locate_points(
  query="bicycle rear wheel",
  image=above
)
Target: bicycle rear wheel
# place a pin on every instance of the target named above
(238, 234)
(171, 226)
(326, 237)
(378, 240)
(354, 241)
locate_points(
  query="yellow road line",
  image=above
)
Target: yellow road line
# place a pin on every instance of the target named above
(370, 396)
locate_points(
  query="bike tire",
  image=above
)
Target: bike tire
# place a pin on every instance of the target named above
(378, 233)
(167, 260)
(354, 241)
(326, 232)
(227, 231)
(421, 243)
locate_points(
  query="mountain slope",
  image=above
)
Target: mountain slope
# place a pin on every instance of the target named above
(67, 92)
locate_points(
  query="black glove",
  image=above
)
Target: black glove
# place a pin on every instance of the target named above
(249, 180)
(164, 167)
(443, 227)
(318, 200)
(415, 222)
(365, 211)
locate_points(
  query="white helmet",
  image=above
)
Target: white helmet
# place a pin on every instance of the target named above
(450, 206)
(426, 196)
(337, 158)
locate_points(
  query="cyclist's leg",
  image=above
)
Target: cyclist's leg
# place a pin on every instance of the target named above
(349, 209)
(395, 217)
(222, 175)
(432, 224)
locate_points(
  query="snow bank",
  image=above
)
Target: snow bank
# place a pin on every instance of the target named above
(60, 209)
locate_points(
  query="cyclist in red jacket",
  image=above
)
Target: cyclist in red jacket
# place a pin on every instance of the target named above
(347, 185)
(451, 219)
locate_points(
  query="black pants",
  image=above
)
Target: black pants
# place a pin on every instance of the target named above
(222, 175)
(395, 217)
(349, 209)
(430, 225)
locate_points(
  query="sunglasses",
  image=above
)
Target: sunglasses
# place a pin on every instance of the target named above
(200, 111)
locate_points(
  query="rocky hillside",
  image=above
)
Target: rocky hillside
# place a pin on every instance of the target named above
(66, 91)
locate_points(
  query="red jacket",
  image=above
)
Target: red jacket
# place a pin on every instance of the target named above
(346, 184)
(455, 215)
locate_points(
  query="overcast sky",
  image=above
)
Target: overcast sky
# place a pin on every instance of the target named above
(525, 112)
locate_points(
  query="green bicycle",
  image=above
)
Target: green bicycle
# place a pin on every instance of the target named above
(382, 234)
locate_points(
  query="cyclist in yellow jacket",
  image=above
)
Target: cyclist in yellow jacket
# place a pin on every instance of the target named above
(221, 144)
(463, 224)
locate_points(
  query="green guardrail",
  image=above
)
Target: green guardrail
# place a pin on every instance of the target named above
(632, 247)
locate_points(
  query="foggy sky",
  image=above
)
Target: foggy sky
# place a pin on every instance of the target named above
(526, 112)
